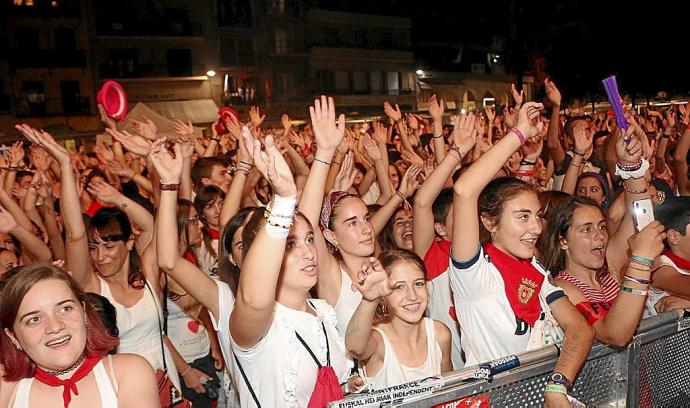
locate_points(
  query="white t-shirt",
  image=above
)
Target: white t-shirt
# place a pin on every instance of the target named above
(279, 368)
(484, 312)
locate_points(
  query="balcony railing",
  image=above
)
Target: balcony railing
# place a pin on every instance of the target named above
(129, 70)
(47, 58)
(149, 29)
(41, 107)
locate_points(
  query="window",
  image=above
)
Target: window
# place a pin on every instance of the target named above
(281, 39)
(359, 82)
(284, 83)
(331, 37)
(65, 39)
(27, 38)
(342, 81)
(179, 62)
(359, 37)
(393, 83)
(71, 97)
(326, 80)
(376, 81)
(33, 101)
(237, 13)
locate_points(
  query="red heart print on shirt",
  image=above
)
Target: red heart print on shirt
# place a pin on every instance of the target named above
(193, 325)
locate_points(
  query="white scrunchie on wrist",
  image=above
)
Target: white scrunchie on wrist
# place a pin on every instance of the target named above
(281, 211)
(639, 173)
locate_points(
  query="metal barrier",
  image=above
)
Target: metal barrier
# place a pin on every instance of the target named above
(653, 371)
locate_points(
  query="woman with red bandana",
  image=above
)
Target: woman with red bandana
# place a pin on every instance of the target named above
(54, 346)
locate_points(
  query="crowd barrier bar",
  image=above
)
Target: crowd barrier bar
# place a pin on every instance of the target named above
(652, 371)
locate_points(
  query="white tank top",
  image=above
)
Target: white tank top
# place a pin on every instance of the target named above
(347, 302)
(107, 393)
(392, 372)
(140, 331)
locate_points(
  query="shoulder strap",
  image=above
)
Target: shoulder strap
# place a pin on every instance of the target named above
(160, 327)
(246, 380)
(165, 304)
(328, 348)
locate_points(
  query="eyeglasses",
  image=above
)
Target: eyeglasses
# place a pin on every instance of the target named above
(193, 219)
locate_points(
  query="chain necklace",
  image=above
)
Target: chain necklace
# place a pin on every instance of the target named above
(67, 370)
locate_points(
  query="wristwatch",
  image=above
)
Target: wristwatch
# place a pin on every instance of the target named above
(558, 378)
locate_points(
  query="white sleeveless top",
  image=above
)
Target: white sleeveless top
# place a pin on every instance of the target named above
(347, 302)
(140, 331)
(392, 372)
(107, 393)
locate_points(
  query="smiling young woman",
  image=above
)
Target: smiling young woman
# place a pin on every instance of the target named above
(54, 345)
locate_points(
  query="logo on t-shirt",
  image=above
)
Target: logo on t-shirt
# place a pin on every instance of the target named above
(526, 290)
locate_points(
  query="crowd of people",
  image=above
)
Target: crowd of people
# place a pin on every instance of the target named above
(290, 266)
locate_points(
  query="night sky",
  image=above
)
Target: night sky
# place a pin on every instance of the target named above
(581, 42)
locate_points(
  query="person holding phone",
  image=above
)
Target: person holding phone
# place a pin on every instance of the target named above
(608, 289)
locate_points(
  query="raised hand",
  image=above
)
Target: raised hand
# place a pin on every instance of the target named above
(16, 152)
(271, 165)
(186, 143)
(528, 119)
(46, 141)
(490, 114)
(517, 96)
(464, 134)
(146, 128)
(412, 121)
(255, 116)
(183, 129)
(134, 143)
(346, 175)
(531, 150)
(39, 158)
(327, 132)
(393, 113)
(380, 132)
(648, 243)
(436, 108)
(684, 114)
(169, 167)
(510, 116)
(412, 158)
(233, 125)
(285, 120)
(552, 93)
(370, 147)
(107, 120)
(373, 281)
(628, 152)
(583, 138)
(104, 191)
(410, 181)
(104, 153)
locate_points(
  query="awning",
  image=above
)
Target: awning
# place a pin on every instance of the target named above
(194, 110)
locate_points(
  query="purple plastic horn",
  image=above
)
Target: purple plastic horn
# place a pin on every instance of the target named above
(615, 99)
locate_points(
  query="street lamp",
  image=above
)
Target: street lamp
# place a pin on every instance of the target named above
(211, 73)
(419, 72)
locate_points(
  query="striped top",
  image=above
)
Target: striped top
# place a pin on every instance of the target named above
(608, 292)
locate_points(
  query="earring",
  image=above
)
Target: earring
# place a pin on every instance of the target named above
(19, 348)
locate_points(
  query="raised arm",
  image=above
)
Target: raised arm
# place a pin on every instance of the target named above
(408, 185)
(436, 109)
(556, 151)
(583, 141)
(198, 284)
(374, 285)
(680, 159)
(233, 199)
(256, 292)
(77, 256)
(480, 173)
(423, 232)
(29, 242)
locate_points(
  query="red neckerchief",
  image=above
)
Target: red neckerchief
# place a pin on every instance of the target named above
(93, 208)
(682, 263)
(191, 257)
(214, 233)
(522, 283)
(593, 311)
(69, 385)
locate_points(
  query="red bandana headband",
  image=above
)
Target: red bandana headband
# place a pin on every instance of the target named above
(331, 200)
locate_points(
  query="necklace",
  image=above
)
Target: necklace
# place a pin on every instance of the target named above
(67, 370)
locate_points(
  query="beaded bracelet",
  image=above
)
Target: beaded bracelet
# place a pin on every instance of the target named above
(638, 263)
(637, 292)
(642, 259)
(437, 137)
(527, 163)
(637, 280)
(647, 268)
(578, 153)
(629, 167)
(627, 190)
